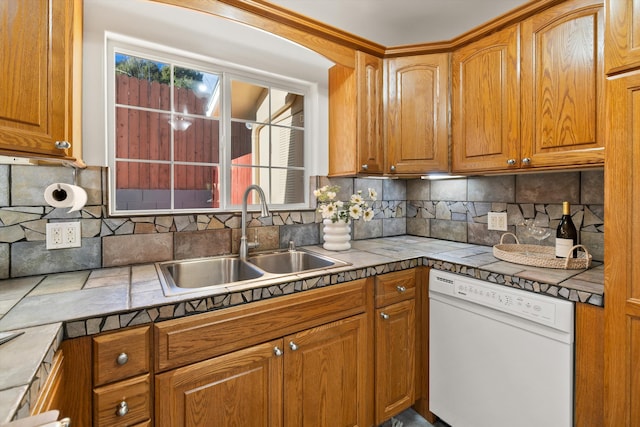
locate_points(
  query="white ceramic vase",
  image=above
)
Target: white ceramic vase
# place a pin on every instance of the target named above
(337, 235)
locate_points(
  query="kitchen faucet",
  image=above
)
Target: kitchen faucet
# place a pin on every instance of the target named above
(244, 244)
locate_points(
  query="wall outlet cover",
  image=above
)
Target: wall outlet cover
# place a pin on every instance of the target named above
(497, 221)
(62, 235)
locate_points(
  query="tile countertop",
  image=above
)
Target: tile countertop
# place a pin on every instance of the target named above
(68, 305)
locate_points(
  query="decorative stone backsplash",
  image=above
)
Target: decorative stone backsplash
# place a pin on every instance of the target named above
(451, 209)
(457, 209)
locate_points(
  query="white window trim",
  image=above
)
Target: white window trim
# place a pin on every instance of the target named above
(132, 46)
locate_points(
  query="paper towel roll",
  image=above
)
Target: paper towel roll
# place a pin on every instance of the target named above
(61, 195)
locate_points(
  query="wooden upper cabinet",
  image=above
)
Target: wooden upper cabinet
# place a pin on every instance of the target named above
(369, 70)
(355, 117)
(40, 52)
(485, 104)
(623, 35)
(417, 109)
(563, 86)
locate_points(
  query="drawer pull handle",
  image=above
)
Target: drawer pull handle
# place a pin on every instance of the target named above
(384, 315)
(277, 351)
(293, 346)
(401, 289)
(122, 358)
(123, 409)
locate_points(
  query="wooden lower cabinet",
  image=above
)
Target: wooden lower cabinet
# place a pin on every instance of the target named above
(589, 389)
(122, 404)
(325, 375)
(396, 351)
(316, 377)
(239, 388)
(395, 359)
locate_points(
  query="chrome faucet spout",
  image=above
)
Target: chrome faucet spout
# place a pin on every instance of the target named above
(244, 244)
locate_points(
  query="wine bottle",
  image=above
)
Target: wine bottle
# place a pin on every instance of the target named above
(566, 235)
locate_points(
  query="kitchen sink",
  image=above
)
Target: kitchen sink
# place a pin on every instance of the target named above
(212, 273)
(206, 273)
(292, 261)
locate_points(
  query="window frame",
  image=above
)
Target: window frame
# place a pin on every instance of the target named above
(116, 43)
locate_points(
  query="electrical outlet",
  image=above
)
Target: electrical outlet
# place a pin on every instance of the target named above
(497, 221)
(62, 235)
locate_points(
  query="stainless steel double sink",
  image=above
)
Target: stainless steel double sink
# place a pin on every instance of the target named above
(210, 273)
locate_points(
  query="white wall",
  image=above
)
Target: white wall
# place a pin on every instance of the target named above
(197, 33)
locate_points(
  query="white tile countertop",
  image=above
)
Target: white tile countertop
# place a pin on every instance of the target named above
(68, 305)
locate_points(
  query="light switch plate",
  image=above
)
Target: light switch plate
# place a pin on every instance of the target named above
(497, 221)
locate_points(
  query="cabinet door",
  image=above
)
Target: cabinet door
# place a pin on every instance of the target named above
(37, 105)
(485, 104)
(589, 365)
(622, 240)
(563, 86)
(325, 375)
(395, 359)
(623, 35)
(417, 128)
(355, 117)
(369, 70)
(243, 388)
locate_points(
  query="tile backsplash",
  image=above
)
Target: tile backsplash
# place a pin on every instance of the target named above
(449, 209)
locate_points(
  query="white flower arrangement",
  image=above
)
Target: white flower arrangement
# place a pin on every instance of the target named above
(335, 210)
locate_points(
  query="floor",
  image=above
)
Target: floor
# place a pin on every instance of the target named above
(410, 418)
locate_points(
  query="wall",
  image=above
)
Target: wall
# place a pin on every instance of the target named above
(451, 209)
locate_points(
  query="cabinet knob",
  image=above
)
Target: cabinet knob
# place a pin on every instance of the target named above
(511, 162)
(365, 167)
(393, 168)
(401, 289)
(293, 346)
(63, 145)
(277, 351)
(122, 358)
(526, 161)
(122, 409)
(65, 422)
(384, 315)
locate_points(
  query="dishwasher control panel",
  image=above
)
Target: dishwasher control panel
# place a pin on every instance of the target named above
(513, 302)
(542, 309)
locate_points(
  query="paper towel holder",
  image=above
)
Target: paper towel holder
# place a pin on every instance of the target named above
(59, 194)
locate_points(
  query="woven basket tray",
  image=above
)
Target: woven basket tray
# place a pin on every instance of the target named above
(539, 256)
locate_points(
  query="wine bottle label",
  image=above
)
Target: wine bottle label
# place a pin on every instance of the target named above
(563, 247)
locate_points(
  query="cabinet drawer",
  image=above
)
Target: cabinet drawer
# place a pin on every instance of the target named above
(394, 287)
(134, 394)
(192, 339)
(120, 355)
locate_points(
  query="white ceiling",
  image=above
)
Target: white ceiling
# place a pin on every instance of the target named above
(402, 22)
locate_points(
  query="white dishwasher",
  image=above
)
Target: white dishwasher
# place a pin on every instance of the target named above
(498, 356)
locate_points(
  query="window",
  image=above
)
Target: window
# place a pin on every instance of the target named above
(189, 135)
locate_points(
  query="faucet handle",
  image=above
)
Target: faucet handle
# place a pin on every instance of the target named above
(255, 243)
(292, 246)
